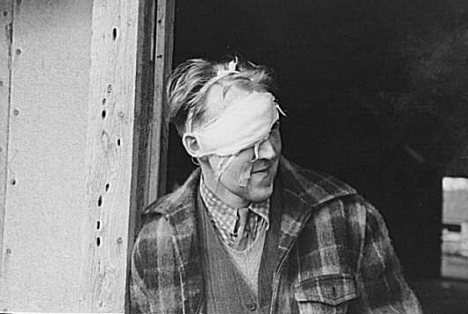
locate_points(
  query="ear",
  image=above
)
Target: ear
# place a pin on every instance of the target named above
(190, 143)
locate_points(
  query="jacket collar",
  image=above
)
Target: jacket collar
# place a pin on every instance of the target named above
(313, 187)
(303, 191)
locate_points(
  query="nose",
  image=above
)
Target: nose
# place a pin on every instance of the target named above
(266, 150)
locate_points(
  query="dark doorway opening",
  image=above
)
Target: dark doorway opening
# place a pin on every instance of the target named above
(370, 96)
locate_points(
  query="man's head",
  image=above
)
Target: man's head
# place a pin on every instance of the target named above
(228, 120)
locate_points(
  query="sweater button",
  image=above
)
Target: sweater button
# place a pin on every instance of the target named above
(251, 306)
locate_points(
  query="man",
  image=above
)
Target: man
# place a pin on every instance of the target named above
(250, 231)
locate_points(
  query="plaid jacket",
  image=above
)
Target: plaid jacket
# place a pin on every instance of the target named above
(334, 253)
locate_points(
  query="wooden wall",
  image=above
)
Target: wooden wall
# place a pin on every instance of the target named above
(5, 51)
(70, 105)
(46, 153)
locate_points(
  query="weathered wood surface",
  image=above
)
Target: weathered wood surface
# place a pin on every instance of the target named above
(6, 13)
(158, 138)
(46, 152)
(74, 126)
(112, 154)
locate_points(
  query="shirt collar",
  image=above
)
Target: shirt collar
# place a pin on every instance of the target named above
(224, 215)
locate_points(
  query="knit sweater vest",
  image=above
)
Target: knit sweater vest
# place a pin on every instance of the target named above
(226, 289)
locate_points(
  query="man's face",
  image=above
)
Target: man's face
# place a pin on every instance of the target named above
(262, 171)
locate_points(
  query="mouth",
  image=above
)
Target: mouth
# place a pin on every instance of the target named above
(261, 168)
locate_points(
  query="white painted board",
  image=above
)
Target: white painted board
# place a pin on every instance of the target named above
(47, 152)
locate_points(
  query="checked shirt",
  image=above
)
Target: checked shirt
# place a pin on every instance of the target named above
(226, 219)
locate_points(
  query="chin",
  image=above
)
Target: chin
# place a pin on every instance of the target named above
(260, 194)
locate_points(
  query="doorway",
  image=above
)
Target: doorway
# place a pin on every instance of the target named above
(357, 82)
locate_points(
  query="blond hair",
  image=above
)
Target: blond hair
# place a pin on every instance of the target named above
(191, 81)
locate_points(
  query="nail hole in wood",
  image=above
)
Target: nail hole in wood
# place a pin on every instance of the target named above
(109, 88)
(98, 225)
(107, 187)
(118, 142)
(103, 114)
(18, 52)
(114, 33)
(99, 202)
(13, 181)
(98, 241)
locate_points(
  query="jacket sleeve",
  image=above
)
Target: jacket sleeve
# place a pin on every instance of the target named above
(382, 286)
(153, 270)
(139, 293)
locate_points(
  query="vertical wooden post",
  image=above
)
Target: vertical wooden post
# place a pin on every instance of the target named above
(6, 13)
(114, 125)
(76, 135)
(158, 137)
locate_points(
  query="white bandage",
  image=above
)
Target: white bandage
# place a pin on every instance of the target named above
(245, 122)
(220, 74)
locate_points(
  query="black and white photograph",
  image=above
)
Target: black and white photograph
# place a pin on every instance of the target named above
(234, 157)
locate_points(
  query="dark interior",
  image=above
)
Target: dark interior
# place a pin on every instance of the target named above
(376, 94)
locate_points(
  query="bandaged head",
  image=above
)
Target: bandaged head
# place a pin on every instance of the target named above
(219, 116)
(245, 122)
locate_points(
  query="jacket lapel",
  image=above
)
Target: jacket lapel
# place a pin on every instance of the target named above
(179, 209)
(303, 192)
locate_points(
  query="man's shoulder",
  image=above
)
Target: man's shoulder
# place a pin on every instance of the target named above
(181, 197)
(314, 187)
(331, 201)
(170, 210)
